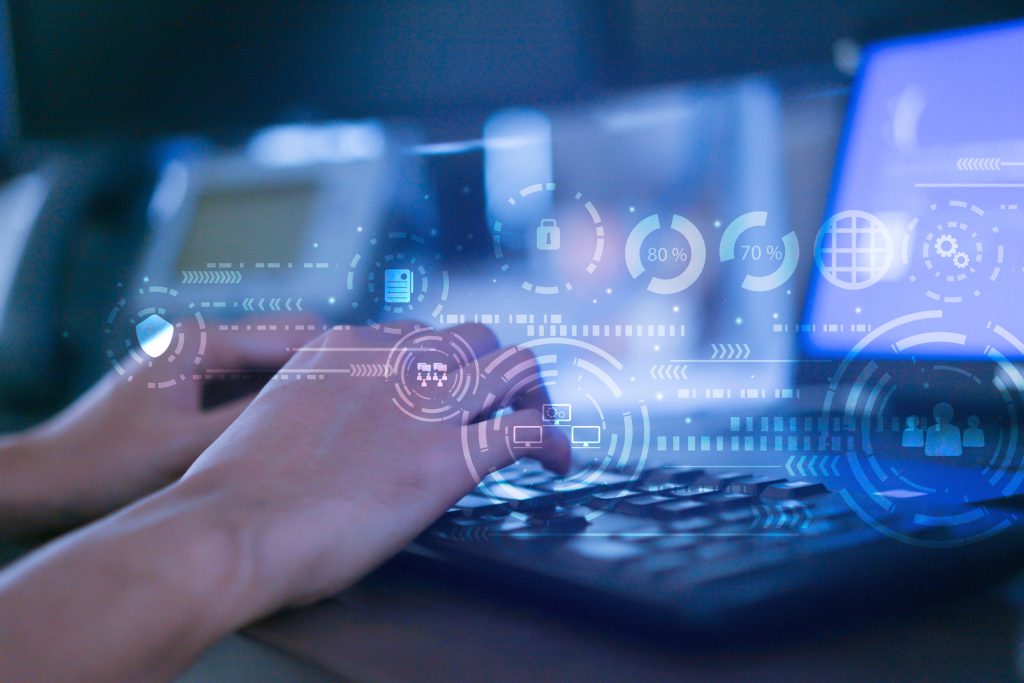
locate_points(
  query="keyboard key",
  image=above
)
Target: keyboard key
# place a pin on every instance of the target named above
(754, 485)
(677, 509)
(604, 549)
(605, 481)
(559, 519)
(475, 506)
(718, 481)
(670, 475)
(607, 500)
(794, 490)
(730, 501)
(641, 505)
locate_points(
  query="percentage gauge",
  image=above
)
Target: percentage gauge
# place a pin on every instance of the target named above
(787, 253)
(693, 261)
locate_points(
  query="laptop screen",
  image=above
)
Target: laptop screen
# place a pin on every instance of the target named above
(927, 206)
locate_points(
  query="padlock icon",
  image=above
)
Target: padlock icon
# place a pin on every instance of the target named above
(549, 235)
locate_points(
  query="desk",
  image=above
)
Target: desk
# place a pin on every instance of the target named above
(401, 626)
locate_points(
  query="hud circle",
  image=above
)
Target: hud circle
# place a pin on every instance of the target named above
(927, 441)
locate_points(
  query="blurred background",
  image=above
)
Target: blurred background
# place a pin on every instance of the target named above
(280, 154)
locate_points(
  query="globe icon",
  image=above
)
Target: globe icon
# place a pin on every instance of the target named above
(854, 250)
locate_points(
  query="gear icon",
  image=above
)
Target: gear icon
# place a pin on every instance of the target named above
(946, 246)
(961, 259)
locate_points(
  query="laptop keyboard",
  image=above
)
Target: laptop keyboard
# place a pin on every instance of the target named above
(652, 537)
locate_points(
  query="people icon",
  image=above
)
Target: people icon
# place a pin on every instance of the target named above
(913, 436)
(943, 438)
(974, 436)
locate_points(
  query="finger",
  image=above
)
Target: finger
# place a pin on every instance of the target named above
(263, 342)
(511, 377)
(512, 436)
(478, 340)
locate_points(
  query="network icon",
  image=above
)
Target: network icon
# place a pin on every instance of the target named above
(854, 250)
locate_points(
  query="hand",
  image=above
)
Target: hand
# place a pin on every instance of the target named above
(329, 478)
(122, 440)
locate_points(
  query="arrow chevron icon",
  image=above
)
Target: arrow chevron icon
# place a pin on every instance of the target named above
(979, 164)
(813, 465)
(370, 370)
(730, 351)
(669, 371)
(211, 277)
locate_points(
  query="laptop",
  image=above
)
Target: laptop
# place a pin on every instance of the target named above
(879, 464)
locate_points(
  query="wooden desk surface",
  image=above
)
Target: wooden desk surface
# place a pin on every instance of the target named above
(399, 626)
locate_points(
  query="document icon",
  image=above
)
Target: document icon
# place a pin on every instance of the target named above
(397, 286)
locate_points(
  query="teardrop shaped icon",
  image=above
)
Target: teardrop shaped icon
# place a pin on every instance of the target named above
(155, 335)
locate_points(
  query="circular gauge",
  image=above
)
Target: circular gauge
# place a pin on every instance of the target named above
(960, 250)
(403, 274)
(780, 255)
(608, 433)
(559, 235)
(152, 329)
(669, 258)
(928, 442)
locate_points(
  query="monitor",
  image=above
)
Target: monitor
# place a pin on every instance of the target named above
(926, 215)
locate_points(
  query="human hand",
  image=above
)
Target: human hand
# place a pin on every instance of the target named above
(122, 440)
(327, 478)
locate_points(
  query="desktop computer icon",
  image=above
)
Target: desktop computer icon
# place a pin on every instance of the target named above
(556, 413)
(586, 436)
(527, 436)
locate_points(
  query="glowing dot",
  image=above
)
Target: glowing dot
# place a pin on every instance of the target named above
(689, 420)
(659, 396)
(595, 301)
(632, 379)
(632, 209)
(359, 229)
(675, 309)
(789, 291)
(426, 196)
(608, 291)
(775, 315)
(316, 245)
(657, 347)
(331, 300)
(145, 279)
(739, 321)
(718, 224)
(857, 310)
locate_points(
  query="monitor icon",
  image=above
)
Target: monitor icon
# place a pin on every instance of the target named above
(586, 436)
(556, 413)
(527, 436)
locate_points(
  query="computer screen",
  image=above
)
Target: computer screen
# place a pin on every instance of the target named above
(926, 210)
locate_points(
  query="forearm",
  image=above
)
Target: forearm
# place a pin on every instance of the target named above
(32, 502)
(135, 596)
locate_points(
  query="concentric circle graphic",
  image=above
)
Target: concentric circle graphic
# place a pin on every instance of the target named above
(609, 434)
(404, 273)
(152, 329)
(960, 249)
(561, 235)
(434, 372)
(930, 443)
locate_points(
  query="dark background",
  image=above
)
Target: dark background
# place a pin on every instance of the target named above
(138, 67)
